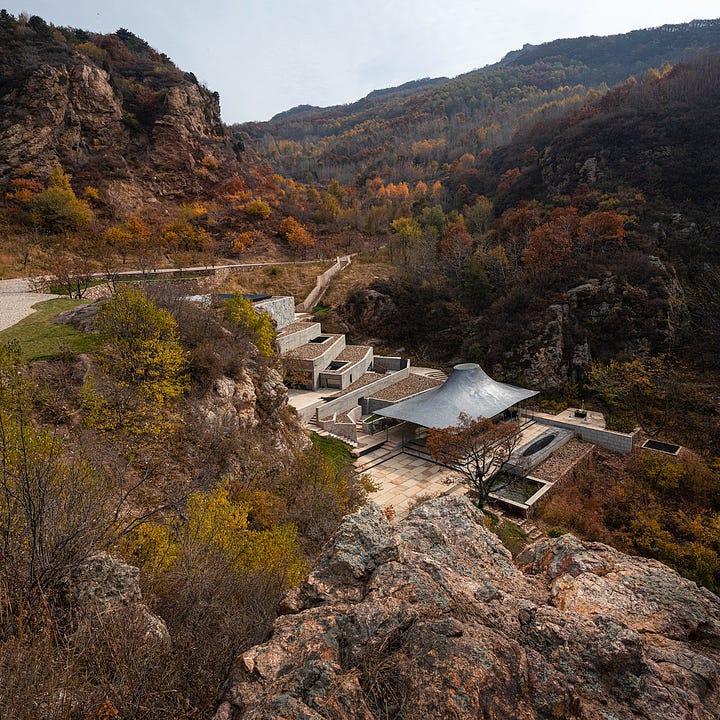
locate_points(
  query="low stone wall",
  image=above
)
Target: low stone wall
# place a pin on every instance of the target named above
(321, 284)
(294, 340)
(344, 377)
(280, 309)
(390, 363)
(343, 428)
(351, 399)
(610, 440)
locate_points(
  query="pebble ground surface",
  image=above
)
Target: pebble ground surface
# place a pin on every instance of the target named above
(16, 301)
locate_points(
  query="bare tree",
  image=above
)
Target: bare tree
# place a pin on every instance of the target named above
(476, 448)
(56, 508)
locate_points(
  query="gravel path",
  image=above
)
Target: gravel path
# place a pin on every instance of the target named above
(16, 301)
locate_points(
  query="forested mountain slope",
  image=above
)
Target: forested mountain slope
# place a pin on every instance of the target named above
(409, 133)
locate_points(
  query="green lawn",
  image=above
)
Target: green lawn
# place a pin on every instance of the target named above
(336, 451)
(41, 339)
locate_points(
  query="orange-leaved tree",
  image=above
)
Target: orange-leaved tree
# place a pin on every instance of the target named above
(476, 448)
(297, 236)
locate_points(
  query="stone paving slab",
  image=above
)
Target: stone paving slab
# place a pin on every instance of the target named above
(404, 478)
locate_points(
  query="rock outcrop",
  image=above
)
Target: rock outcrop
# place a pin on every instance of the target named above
(115, 113)
(642, 310)
(103, 589)
(431, 618)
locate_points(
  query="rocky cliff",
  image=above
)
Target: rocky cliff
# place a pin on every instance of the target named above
(112, 111)
(431, 618)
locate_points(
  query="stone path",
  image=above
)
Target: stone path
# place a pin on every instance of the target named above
(322, 283)
(16, 301)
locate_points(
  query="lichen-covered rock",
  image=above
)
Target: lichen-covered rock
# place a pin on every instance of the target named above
(102, 588)
(431, 618)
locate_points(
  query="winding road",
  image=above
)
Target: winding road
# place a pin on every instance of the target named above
(16, 301)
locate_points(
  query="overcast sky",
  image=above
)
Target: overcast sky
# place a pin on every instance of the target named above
(265, 56)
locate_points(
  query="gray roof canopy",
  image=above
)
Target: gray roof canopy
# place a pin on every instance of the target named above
(468, 390)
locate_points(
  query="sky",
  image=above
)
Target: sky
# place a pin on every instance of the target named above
(266, 56)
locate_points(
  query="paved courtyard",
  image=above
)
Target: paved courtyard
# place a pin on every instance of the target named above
(404, 478)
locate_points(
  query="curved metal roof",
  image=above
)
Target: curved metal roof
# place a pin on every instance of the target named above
(468, 390)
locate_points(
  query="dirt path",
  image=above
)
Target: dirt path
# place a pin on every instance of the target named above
(16, 301)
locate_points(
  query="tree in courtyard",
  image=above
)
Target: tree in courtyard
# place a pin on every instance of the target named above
(476, 448)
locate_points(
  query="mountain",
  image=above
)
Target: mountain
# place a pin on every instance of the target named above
(408, 133)
(112, 111)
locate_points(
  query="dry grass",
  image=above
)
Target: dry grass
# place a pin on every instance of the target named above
(296, 280)
(358, 274)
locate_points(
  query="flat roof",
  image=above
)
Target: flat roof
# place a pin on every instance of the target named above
(312, 350)
(296, 326)
(468, 390)
(411, 385)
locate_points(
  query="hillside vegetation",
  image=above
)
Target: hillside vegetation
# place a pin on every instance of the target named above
(553, 217)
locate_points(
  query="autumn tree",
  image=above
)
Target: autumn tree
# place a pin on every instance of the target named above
(258, 326)
(257, 210)
(602, 228)
(406, 230)
(477, 449)
(57, 209)
(454, 248)
(636, 391)
(479, 216)
(145, 363)
(71, 272)
(548, 248)
(297, 236)
(514, 230)
(56, 508)
(130, 237)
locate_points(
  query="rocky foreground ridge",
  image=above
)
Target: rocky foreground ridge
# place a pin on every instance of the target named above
(431, 618)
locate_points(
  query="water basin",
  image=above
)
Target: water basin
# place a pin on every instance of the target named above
(518, 489)
(539, 444)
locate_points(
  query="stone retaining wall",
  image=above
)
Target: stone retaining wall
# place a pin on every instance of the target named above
(610, 440)
(351, 399)
(321, 284)
(347, 428)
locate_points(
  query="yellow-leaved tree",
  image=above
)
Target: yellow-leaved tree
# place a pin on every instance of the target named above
(259, 326)
(215, 525)
(57, 208)
(144, 365)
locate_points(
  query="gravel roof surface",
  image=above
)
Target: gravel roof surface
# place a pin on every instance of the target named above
(561, 460)
(353, 353)
(295, 327)
(310, 351)
(405, 388)
(362, 381)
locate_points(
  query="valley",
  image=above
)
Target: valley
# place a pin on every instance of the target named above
(307, 403)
